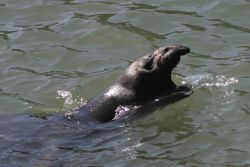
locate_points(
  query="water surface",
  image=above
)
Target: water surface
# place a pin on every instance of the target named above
(55, 55)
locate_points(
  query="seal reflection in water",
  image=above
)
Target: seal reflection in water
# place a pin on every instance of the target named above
(145, 80)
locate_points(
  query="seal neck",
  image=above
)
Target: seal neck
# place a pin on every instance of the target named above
(101, 108)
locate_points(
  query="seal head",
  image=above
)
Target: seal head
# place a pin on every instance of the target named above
(149, 77)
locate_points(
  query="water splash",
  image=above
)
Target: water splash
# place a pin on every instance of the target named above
(69, 103)
(209, 80)
(221, 89)
(67, 95)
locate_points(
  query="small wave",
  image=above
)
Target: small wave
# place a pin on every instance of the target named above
(221, 93)
(131, 150)
(64, 74)
(209, 80)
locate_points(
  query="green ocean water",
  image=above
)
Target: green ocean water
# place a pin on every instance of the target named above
(55, 55)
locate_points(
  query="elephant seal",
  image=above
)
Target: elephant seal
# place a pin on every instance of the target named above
(146, 79)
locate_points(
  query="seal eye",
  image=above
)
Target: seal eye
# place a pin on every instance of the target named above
(148, 64)
(166, 49)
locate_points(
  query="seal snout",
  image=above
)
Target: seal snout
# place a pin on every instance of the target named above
(176, 49)
(182, 50)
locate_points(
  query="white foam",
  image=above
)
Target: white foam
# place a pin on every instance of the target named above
(209, 80)
(67, 95)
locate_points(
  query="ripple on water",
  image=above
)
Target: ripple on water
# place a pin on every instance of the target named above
(209, 80)
(52, 52)
(218, 95)
(69, 102)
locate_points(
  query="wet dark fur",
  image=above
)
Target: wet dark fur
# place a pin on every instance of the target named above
(143, 81)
